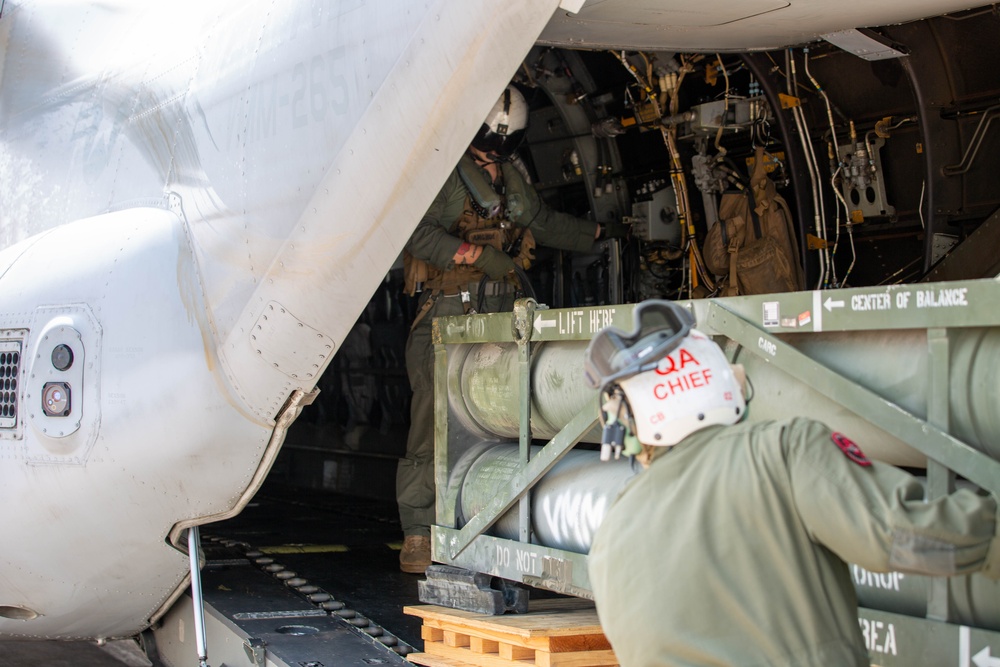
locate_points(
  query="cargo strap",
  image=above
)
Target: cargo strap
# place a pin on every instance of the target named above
(483, 289)
(424, 309)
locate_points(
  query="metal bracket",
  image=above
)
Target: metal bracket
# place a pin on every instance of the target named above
(521, 327)
(940, 480)
(865, 44)
(255, 648)
(557, 575)
(458, 588)
(523, 320)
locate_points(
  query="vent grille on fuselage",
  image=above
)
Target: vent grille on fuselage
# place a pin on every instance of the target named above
(10, 371)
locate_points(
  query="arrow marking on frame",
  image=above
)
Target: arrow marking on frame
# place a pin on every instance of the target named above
(543, 324)
(984, 659)
(830, 304)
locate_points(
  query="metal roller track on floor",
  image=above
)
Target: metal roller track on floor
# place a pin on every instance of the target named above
(258, 612)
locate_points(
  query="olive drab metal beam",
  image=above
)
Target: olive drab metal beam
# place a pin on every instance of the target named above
(524, 310)
(940, 478)
(924, 306)
(919, 433)
(954, 329)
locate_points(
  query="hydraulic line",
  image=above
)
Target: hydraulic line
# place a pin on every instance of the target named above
(817, 178)
(817, 195)
(850, 229)
(928, 204)
(972, 149)
(725, 109)
(669, 134)
(833, 178)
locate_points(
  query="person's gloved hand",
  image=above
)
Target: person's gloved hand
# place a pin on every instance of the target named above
(612, 230)
(494, 263)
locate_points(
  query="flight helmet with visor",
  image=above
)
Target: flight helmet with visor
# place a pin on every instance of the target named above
(503, 129)
(673, 378)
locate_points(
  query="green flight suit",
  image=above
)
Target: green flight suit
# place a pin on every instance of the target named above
(731, 549)
(434, 242)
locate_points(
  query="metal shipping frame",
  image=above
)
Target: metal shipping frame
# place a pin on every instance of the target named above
(751, 324)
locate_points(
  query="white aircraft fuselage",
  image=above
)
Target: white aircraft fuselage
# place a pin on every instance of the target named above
(197, 201)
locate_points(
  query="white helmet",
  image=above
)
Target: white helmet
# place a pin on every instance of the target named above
(503, 129)
(691, 388)
(675, 379)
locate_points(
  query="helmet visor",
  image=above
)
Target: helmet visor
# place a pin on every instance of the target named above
(658, 328)
(491, 142)
(503, 130)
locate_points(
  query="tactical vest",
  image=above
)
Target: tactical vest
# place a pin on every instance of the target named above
(474, 227)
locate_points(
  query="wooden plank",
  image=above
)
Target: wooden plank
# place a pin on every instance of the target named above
(513, 652)
(457, 639)
(553, 605)
(488, 634)
(576, 659)
(431, 634)
(482, 645)
(517, 657)
(578, 643)
(467, 657)
(586, 640)
(555, 633)
(545, 618)
(434, 660)
(534, 643)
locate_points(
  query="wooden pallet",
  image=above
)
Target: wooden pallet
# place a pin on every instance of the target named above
(554, 633)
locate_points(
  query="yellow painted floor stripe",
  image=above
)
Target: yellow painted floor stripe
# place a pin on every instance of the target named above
(305, 549)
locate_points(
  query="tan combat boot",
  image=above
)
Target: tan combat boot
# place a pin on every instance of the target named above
(415, 555)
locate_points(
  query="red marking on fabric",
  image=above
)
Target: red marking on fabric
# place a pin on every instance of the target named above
(850, 449)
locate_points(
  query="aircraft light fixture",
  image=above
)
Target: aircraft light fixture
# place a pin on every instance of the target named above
(62, 357)
(56, 399)
(17, 612)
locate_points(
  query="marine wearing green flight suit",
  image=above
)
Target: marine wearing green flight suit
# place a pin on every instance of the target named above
(731, 548)
(436, 241)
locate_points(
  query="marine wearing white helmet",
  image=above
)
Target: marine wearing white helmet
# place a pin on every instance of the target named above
(663, 380)
(731, 547)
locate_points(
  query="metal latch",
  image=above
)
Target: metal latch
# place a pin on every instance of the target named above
(254, 648)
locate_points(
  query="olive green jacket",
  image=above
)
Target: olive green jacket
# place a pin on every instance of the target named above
(433, 242)
(730, 549)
